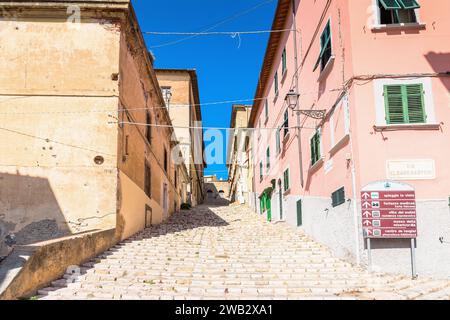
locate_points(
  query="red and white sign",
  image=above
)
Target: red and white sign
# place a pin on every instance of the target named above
(389, 210)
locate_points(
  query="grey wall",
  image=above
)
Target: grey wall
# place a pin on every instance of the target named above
(335, 228)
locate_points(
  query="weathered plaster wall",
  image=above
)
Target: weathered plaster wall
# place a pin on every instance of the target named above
(51, 128)
(49, 260)
(138, 94)
(182, 108)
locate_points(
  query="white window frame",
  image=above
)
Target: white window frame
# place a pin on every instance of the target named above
(380, 107)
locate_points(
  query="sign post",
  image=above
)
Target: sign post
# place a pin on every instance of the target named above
(389, 212)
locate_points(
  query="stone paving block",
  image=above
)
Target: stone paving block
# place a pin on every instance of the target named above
(191, 256)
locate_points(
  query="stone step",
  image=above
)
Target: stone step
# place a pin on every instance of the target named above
(61, 283)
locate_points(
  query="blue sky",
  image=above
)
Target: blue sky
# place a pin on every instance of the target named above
(226, 71)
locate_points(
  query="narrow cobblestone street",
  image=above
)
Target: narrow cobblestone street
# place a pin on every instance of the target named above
(228, 252)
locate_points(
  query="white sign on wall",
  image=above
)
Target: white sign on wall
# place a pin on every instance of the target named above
(411, 169)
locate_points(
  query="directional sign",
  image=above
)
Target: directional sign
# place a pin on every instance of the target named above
(389, 210)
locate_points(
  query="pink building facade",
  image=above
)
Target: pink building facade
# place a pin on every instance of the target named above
(381, 72)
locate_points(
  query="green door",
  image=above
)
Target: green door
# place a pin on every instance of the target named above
(269, 209)
(299, 213)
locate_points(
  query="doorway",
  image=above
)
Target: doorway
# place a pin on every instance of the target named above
(148, 216)
(165, 199)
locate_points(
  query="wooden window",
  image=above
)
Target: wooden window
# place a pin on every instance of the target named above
(286, 182)
(404, 104)
(176, 177)
(127, 138)
(284, 62)
(325, 48)
(338, 197)
(148, 180)
(286, 124)
(266, 110)
(165, 160)
(315, 148)
(148, 132)
(268, 160)
(278, 140)
(299, 213)
(275, 81)
(398, 11)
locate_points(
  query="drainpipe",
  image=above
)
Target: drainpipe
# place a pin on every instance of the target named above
(354, 192)
(299, 139)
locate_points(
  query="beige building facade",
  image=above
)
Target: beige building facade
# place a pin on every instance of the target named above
(85, 137)
(180, 90)
(237, 156)
(216, 188)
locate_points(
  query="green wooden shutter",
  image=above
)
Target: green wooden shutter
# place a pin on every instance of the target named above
(338, 197)
(315, 148)
(415, 102)
(409, 4)
(333, 199)
(394, 104)
(276, 82)
(278, 140)
(286, 182)
(325, 42)
(313, 151)
(390, 4)
(299, 213)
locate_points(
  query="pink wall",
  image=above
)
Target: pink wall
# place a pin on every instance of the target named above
(358, 50)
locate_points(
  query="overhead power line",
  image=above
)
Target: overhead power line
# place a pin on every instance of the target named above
(205, 128)
(224, 21)
(215, 33)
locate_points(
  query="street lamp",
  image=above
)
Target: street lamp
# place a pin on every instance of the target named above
(292, 99)
(292, 102)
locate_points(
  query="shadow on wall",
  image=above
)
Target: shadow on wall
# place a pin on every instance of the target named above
(440, 62)
(178, 222)
(29, 212)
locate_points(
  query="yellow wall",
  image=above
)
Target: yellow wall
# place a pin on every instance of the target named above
(49, 135)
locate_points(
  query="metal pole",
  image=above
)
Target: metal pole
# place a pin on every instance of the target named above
(413, 259)
(369, 252)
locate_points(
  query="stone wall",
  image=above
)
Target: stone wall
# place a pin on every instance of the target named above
(35, 266)
(52, 130)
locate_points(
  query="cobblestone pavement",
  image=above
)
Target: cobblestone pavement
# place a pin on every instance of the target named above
(222, 252)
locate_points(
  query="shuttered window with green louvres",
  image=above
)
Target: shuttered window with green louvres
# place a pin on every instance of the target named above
(409, 4)
(315, 148)
(286, 182)
(325, 48)
(404, 104)
(338, 197)
(390, 4)
(399, 4)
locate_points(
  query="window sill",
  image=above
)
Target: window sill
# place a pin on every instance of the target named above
(398, 26)
(326, 70)
(339, 145)
(316, 165)
(398, 127)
